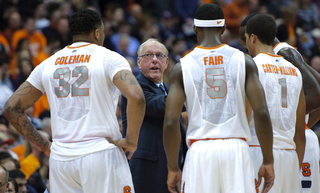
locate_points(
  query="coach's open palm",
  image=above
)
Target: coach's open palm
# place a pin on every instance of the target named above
(125, 145)
(267, 172)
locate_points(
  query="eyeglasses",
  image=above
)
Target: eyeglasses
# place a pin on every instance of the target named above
(3, 184)
(151, 56)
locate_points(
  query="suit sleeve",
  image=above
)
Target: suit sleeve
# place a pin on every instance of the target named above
(155, 103)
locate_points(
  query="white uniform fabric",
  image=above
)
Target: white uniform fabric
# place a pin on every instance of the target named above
(91, 173)
(223, 172)
(83, 100)
(282, 83)
(214, 80)
(286, 170)
(281, 45)
(309, 174)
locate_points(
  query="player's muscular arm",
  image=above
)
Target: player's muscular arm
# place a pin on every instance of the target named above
(171, 126)
(299, 137)
(310, 83)
(256, 97)
(23, 98)
(130, 88)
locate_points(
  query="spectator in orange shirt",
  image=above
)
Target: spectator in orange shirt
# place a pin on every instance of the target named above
(4, 44)
(31, 163)
(37, 40)
(234, 14)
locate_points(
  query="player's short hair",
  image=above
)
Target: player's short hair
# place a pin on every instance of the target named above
(264, 27)
(84, 21)
(244, 22)
(209, 12)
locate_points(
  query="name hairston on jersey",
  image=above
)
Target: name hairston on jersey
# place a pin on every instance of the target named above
(83, 58)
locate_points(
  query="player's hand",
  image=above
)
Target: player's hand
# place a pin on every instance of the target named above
(125, 145)
(174, 177)
(266, 171)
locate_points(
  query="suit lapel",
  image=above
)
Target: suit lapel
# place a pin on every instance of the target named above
(143, 79)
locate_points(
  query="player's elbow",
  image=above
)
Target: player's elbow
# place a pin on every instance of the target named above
(262, 114)
(137, 98)
(7, 110)
(300, 138)
(169, 123)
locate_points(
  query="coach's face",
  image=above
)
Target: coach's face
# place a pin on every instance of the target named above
(153, 61)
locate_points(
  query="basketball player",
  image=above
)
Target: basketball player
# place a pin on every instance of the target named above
(309, 174)
(282, 83)
(82, 82)
(213, 80)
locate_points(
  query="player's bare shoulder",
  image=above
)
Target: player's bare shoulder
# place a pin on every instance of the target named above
(176, 73)
(291, 55)
(125, 76)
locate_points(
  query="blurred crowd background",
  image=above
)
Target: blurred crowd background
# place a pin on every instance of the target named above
(33, 30)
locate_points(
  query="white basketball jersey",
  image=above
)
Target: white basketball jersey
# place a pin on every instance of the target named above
(214, 83)
(281, 45)
(82, 98)
(282, 84)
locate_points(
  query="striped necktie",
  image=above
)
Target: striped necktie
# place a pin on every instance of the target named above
(163, 89)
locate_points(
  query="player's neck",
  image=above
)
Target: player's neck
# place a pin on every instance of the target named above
(82, 38)
(209, 42)
(264, 48)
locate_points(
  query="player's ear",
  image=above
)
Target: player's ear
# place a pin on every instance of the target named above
(97, 34)
(195, 29)
(139, 62)
(254, 38)
(223, 29)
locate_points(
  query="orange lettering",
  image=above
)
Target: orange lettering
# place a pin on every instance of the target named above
(306, 169)
(220, 60)
(126, 189)
(81, 58)
(211, 60)
(294, 72)
(184, 184)
(62, 60)
(57, 61)
(256, 184)
(76, 59)
(264, 68)
(66, 60)
(205, 59)
(71, 60)
(87, 58)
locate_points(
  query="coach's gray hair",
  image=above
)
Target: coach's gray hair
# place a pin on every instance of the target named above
(152, 40)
